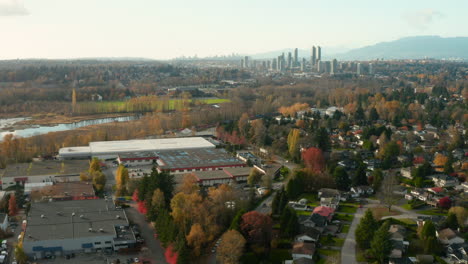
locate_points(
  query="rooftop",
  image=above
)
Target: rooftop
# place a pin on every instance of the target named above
(137, 145)
(48, 167)
(137, 155)
(55, 220)
(244, 171)
(196, 158)
(211, 175)
(68, 189)
(142, 145)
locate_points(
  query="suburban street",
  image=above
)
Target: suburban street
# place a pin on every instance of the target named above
(348, 251)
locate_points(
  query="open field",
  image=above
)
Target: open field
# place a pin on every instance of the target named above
(142, 105)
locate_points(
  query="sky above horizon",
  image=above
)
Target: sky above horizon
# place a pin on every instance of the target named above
(166, 29)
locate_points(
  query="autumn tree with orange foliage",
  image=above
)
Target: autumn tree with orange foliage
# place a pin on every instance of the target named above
(256, 228)
(293, 109)
(440, 161)
(12, 206)
(314, 160)
(196, 239)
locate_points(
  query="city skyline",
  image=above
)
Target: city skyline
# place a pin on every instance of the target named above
(163, 30)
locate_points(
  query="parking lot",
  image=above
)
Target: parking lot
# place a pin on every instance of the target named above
(93, 258)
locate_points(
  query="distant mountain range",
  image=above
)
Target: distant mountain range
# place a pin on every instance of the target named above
(418, 47)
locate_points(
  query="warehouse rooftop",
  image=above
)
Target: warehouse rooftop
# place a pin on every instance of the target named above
(196, 159)
(47, 167)
(74, 219)
(149, 145)
(103, 148)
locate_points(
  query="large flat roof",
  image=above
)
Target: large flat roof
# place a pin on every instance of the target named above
(149, 145)
(196, 159)
(136, 145)
(47, 167)
(54, 220)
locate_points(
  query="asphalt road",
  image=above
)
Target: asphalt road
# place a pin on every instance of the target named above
(348, 251)
(155, 250)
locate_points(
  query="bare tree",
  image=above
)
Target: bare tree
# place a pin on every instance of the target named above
(387, 190)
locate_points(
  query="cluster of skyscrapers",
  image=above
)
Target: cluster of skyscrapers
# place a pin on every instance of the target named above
(293, 63)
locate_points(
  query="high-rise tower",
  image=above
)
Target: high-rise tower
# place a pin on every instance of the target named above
(313, 58)
(296, 57)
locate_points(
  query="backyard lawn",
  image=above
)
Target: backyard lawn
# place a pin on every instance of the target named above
(343, 217)
(345, 229)
(347, 208)
(332, 241)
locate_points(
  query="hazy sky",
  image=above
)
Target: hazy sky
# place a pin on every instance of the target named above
(170, 28)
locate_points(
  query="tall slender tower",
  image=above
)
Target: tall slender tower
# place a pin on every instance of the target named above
(313, 58)
(319, 53)
(296, 57)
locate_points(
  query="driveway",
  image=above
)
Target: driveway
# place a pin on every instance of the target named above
(155, 250)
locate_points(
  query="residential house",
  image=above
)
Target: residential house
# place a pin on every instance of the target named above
(358, 191)
(348, 164)
(328, 193)
(397, 235)
(405, 260)
(315, 220)
(459, 154)
(448, 236)
(400, 190)
(331, 202)
(442, 180)
(300, 261)
(406, 173)
(3, 221)
(438, 220)
(303, 250)
(458, 252)
(331, 230)
(310, 235)
(373, 164)
(324, 211)
(464, 185)
(436, 190)
(417, 192)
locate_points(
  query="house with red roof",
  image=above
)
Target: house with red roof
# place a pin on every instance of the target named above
(324, 211)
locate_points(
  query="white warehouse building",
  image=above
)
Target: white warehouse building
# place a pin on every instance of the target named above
(111, 149)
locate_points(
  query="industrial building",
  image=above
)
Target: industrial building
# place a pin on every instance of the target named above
(43, 171)
(111, 149)
(225, 176)
(61, 191)
(65, 227)
(184, 161)
(137, 158)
